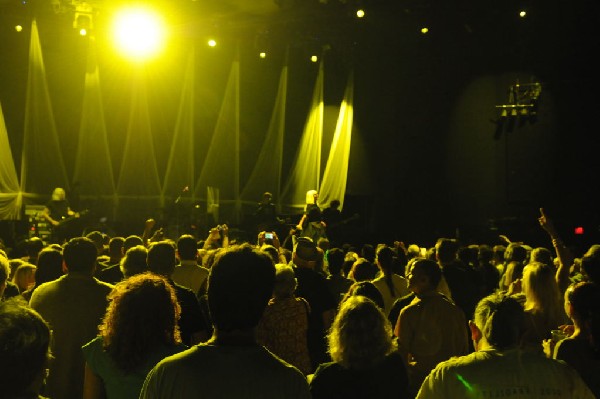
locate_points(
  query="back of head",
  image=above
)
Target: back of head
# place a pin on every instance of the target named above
(24, 348)
(132, 241)
(385, 258)
(34, 246)
(447, 249)
(141, 316)
(306, 250)
(58, 194)
(115, 246)
(367, 251)
(187, 247)
(428, 268)
(49, 266)
(240, 285)
(542, 255)
(285, 281)
(500, 319)
(485, 254)
(135, 261)
(361, 335)
(541, 290)
(80, 255)
(4, 269)
(584, 299)
(334, 204)
(515, 253)
(335, 259)
(161, 258)
(590, 266)
(366, 289)
(310, 196)
(363, 270)
(271, 251)
(98, 239)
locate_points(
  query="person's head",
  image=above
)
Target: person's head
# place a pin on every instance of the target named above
(134, 261)
(498, 254)
(267, 197)
(141, 316)
(361, 335)
(161, 258)
(363, 270)
(98, 238)
(446, 250)
(24, 349)
(335, 259)
(115, 247)
(542, 255)
(334, 204)
(424, 276)
(132, 241)
(497, 322)
(187, 248)
(306, 253)
(49, 266)
(285, 281)
(240, 284)
(80, 255)
(323, 243)
(541, 291)
(590, 268)
(366, 289)
(24, 277)
(312, 196)
(582, 305)
(485, 254)
(34, 246)
(385, 259)
(515, 253)
(368, 252)
(271, 251)
(59, 194)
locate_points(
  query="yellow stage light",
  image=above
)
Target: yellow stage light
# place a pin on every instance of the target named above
(212, 42)
(263, 55)
(360, 13)
(18, 28)
(138, 32)
(314, 58)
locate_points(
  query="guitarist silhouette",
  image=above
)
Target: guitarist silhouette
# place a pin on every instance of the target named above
(58, 213)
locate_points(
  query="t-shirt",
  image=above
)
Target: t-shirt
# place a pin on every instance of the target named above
(117, 384)
(225, 371)
(385, 380)
(515, 374)
(400, 289)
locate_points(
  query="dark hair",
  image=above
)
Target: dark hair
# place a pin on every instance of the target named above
(49, 266)
(115, 246)
(132, 241)
(366, 289)
(240, 284)
(335, 258)
(161, 258)
(585, 300)
(24, 347)
(367, 251)
(430, 269)
(80, 254)
(500, 319)
(447, 249)
(590, 266)
(385, 257)
(141, 316)
(187, 247)
(34, 246)
(363, 270)
(134, 261)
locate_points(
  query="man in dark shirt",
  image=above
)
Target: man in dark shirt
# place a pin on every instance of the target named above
(56, 212)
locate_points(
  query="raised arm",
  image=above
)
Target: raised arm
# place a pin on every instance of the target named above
(565, 256)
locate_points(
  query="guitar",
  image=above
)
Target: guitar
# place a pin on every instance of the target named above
(68, 219)
(356, 216)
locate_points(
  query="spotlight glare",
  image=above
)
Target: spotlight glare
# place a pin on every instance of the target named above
(18, 28)
(360, 13)
(83, 32)
(138, 32)
(212, 42)
(523, 14)
(314, 58)
(424, 30)
(263, 55)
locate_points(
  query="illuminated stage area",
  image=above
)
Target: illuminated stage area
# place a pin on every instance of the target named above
(425, 119)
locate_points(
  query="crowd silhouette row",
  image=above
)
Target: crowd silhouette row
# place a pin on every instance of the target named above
(151, 316)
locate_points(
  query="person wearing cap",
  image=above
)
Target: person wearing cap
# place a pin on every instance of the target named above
(312, 286)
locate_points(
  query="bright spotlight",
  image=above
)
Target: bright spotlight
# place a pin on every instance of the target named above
(138, 32)
(523, 14)
(314, 58)
(83, 32)
(360, 13)
(424, 30)
(263, 55)
(18, 28)
(212, 42)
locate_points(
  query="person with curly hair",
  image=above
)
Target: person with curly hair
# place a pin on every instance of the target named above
(138, 330)
(366, 363)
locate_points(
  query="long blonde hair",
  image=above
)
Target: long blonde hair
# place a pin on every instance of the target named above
(542, 296)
